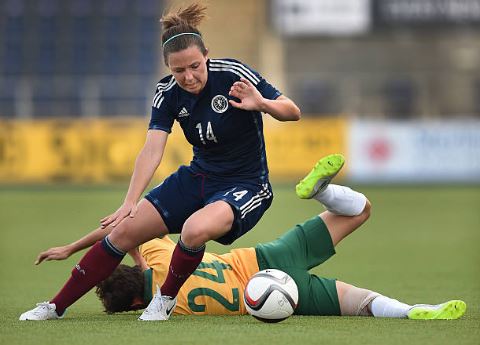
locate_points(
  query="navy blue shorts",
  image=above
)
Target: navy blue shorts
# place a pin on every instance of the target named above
(185, 192)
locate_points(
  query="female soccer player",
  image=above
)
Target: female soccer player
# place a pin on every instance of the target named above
(225, 190)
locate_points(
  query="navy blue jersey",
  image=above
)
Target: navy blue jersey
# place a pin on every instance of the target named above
(227, 142)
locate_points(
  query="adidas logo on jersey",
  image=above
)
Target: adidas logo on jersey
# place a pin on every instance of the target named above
(183, 113)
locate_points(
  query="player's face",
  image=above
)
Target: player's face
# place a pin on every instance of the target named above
(189, 68)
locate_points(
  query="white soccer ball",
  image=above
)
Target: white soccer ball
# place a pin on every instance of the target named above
(271, 295)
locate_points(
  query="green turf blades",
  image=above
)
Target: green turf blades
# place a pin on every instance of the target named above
(320, 176)
(446, 311)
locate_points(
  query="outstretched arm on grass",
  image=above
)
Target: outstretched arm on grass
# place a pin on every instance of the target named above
(63, 252)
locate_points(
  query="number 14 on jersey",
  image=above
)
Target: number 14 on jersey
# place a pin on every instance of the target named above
(209, 133)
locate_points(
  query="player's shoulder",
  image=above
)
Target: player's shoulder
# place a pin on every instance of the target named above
(234, 68)
(226, 60)
(164, 88)
(165, 84)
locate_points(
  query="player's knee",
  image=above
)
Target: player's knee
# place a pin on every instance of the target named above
(194, 235)
(365, 214)
(122, 238)
(367, 210)
(354, 301)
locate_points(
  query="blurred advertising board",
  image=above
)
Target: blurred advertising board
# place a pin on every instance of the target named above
(417, 151)
(86, 150)
(294, 147)
(325, 17)
(104, 150)
(426, 12)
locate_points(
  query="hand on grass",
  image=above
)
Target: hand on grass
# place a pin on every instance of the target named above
(55, 253)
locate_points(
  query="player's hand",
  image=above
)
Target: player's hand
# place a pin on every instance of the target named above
(250, 98)
(128, 209)
(55, 253)
(135, 255)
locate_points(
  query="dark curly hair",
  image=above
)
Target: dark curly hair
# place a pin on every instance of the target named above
(118, 291)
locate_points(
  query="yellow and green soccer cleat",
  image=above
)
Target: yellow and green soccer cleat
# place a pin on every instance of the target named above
(446, 311)
(320, 176)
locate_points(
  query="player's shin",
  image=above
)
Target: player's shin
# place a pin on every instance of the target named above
(342, 200)
(96, 265)
(354, 301)
(383, 306)
(184, 262)
(362, 302)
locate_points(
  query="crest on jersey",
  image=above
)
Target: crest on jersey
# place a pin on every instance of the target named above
(219, 104)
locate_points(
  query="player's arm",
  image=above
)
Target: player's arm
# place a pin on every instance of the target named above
(146, 163)
(281, 108)
(138, 259)
(63, 252)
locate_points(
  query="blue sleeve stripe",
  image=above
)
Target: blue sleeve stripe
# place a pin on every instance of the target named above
(235, 65)
(158, 98)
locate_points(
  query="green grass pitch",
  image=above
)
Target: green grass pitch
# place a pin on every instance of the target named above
(421, 244)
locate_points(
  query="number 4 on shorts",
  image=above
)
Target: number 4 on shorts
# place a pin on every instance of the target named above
(239, 195)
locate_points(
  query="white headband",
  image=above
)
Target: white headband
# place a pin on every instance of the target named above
(182, 34)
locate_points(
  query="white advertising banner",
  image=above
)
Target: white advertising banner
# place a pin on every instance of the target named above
(420, 151)
(331, 17)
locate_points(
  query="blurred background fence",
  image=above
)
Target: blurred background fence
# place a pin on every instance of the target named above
(393, 84)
